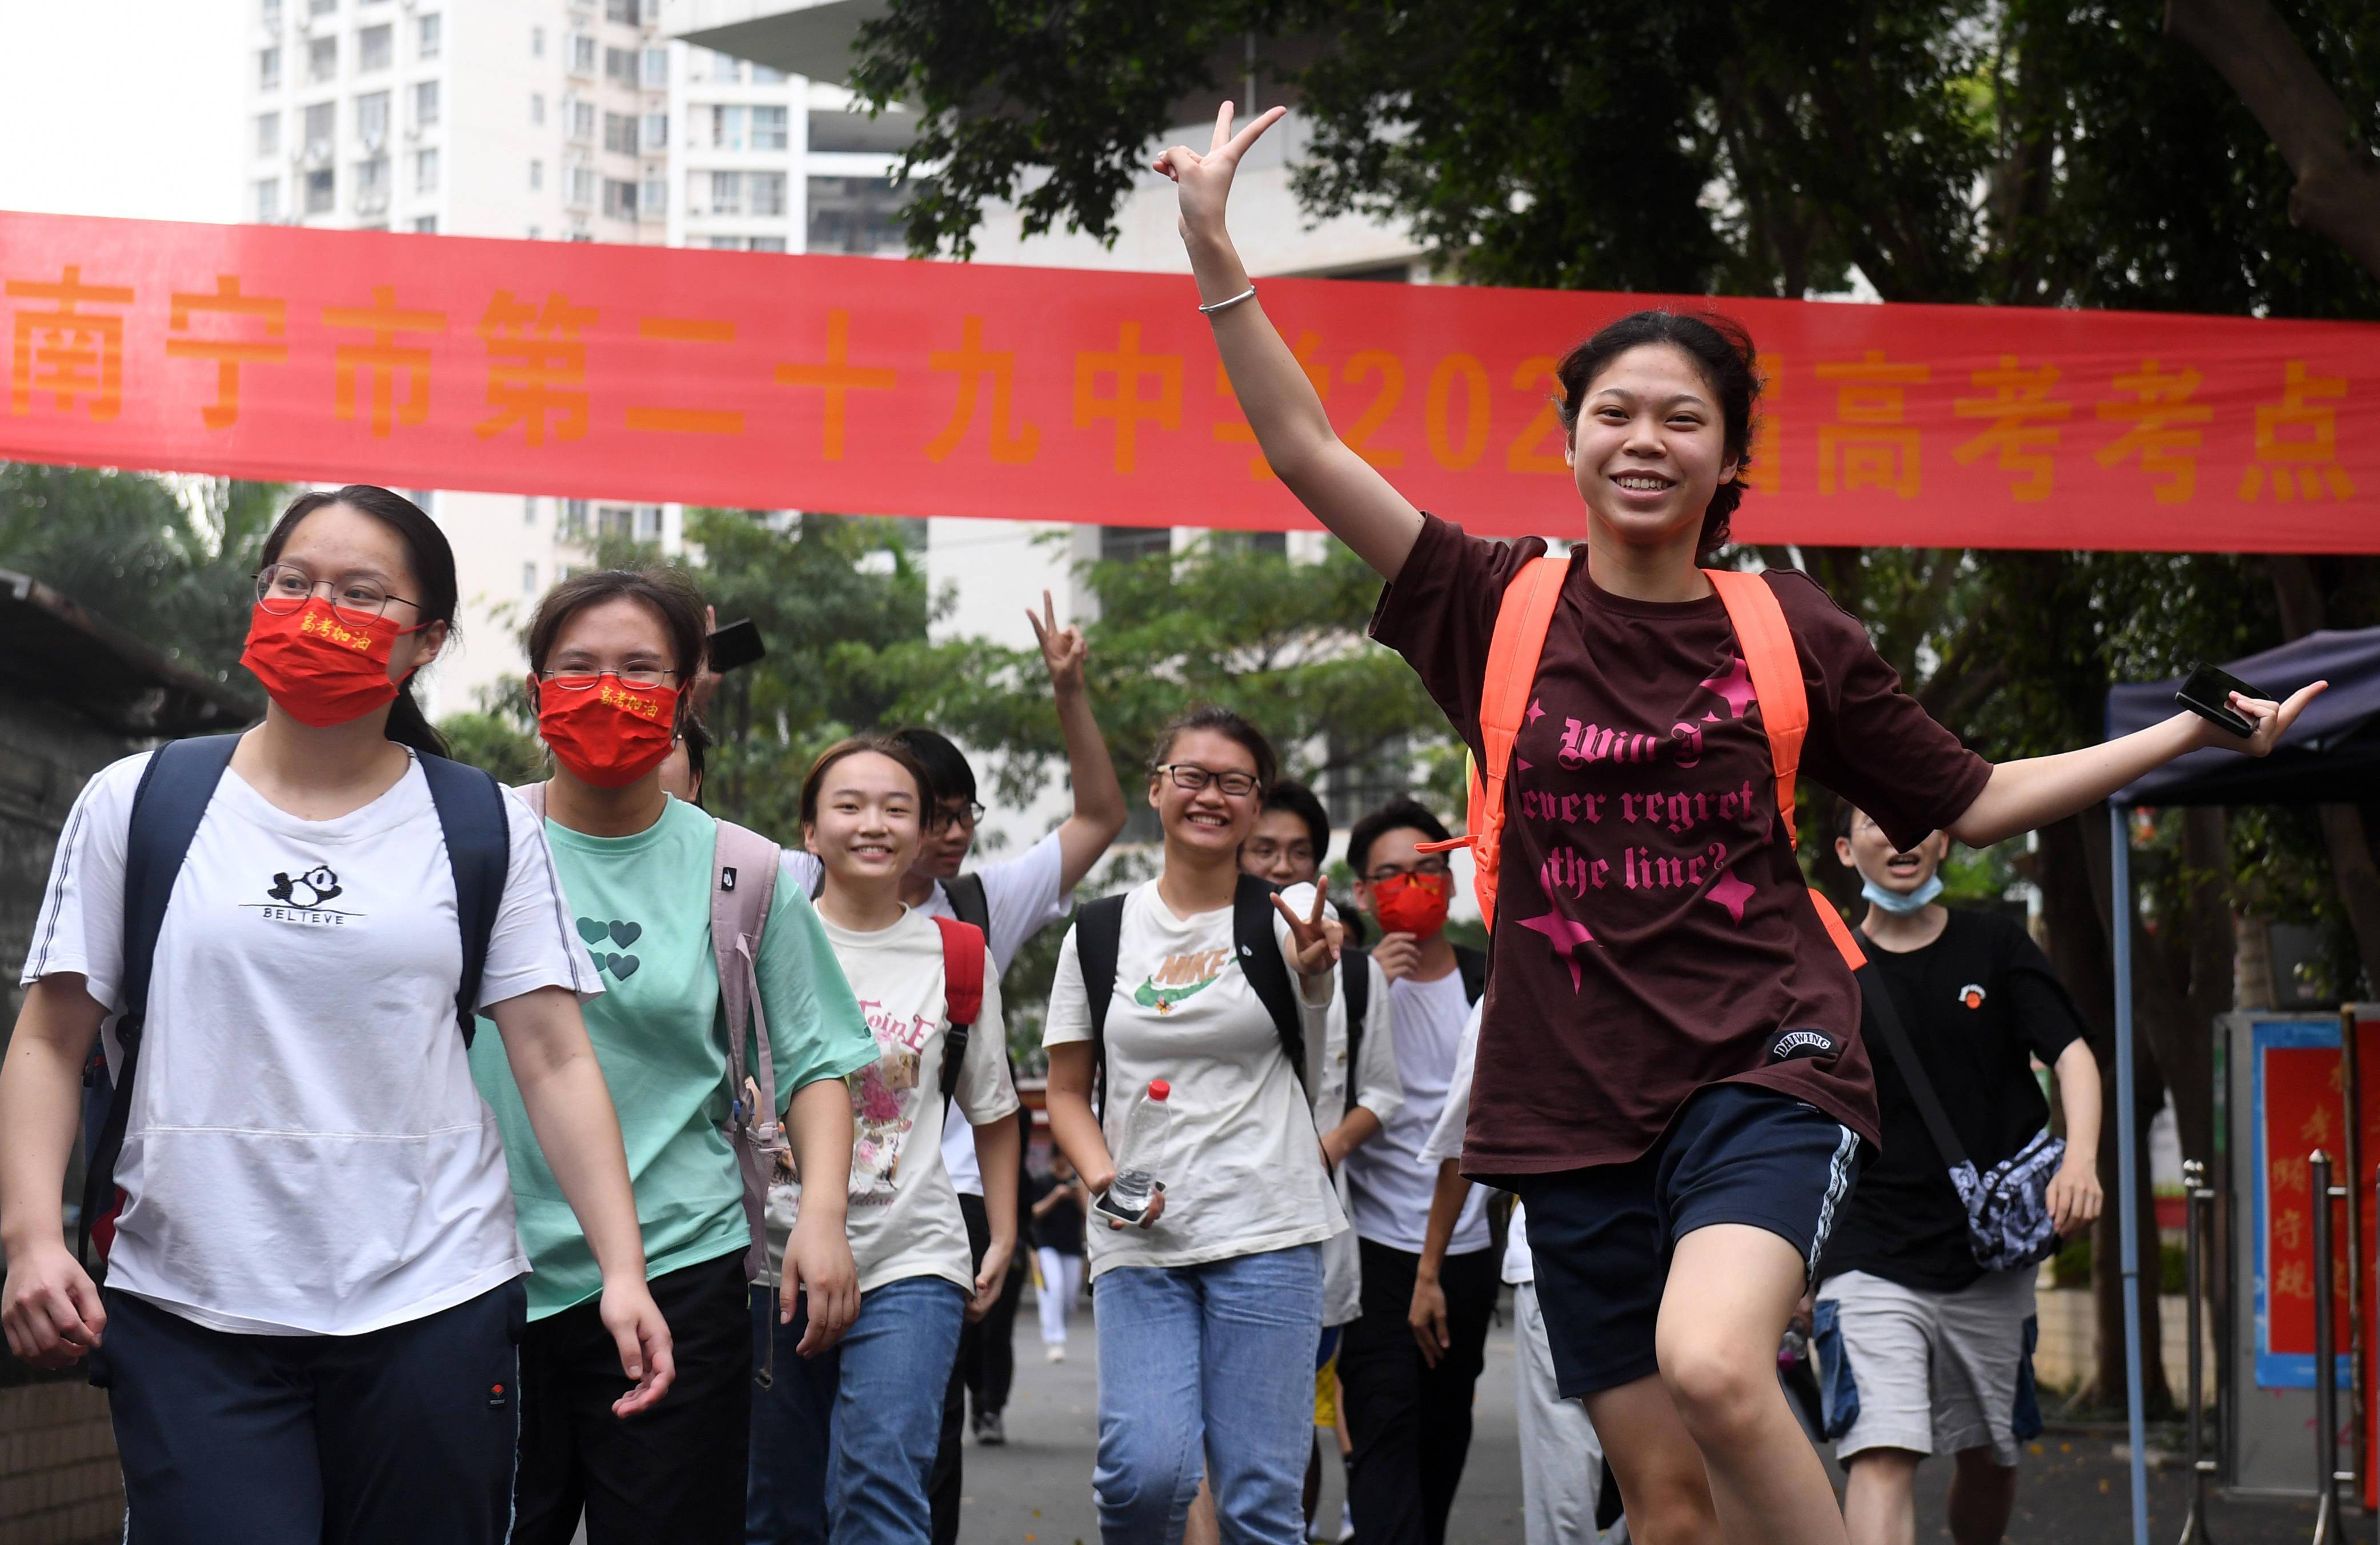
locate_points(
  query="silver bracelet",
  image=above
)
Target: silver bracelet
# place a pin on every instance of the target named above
(1247, 294)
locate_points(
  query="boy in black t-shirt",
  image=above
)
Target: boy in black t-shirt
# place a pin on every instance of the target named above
(1921, 1351)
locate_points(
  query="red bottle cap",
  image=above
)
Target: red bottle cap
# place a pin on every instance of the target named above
(1159, 1088)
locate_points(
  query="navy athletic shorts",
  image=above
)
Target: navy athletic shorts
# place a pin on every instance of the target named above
(1602, 1238)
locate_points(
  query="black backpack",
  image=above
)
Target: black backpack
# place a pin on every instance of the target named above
(1355, 981)
(968, 900)
(167, 805)
(1098, 935)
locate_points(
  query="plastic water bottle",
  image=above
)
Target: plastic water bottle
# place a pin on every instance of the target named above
(1135, 1186)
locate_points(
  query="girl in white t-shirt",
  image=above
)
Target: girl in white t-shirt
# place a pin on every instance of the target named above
(313, 1290)
(844, 1441)
(1208, 1312)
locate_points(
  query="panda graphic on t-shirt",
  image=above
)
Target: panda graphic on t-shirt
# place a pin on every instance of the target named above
(301, 895)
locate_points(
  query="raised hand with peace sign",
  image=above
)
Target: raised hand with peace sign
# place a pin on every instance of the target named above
(1313, 940)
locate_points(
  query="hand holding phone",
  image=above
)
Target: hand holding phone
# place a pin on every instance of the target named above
(1126, 1217)
(2207, 693)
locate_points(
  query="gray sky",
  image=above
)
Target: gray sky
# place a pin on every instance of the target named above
(126, 107)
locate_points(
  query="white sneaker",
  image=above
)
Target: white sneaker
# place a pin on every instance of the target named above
(1057, 1354)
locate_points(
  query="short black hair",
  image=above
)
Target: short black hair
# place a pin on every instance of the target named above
(1845, 812)
(1222, 721)
(953, 779)
(1402, 811)
(696, 737)
(1299, 801)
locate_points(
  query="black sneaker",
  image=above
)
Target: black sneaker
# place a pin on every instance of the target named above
(988, 1429)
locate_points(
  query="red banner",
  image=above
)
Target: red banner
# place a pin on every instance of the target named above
(865, 386)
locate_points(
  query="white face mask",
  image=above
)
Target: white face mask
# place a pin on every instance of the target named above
(1902, 906)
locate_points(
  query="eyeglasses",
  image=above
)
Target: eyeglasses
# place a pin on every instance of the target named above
(1190, 778)
(944, 816)
(641, 679)
(1436, 868)
(285, 588)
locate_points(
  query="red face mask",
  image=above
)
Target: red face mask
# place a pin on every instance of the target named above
(1413, 904)
(320, 668)
(608, 735)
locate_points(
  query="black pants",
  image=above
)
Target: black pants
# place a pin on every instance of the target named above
(675, 1472)
(1411, 1423)
(943, 1491)
(988, 1350)
(395, 1437)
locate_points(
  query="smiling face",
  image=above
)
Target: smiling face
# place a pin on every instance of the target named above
(1869, 851)
(339, 542)
(870, 820)
(1208, 821)
(1649, 447)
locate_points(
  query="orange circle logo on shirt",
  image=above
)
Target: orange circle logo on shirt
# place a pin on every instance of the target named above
(1972, 995)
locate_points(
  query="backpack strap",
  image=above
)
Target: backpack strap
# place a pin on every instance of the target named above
(744, 887)
(964, 952)
(1260, 961)
(969, 904)
(1522, 619)
(470, 806)
(1472, 965)
(1355, 987)
(1775, 667)
(1098, 937)
(168, 803)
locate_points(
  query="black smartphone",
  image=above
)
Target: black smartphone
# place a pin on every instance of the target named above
(2207, 693)
(735, 645)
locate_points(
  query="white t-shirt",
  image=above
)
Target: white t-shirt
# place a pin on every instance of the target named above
(1377, 1090)
(1241, 1163)
(904, 1218)
(306, 1153)
(1446, 1142)
(1390, 1184)
(1021, 896)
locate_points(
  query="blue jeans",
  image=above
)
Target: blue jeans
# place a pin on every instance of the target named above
(842, 1443)
(1207, 1362)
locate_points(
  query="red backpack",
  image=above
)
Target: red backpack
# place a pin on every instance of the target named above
(1522, 622)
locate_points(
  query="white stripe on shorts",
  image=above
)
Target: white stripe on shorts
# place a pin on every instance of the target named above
(1839, 1181)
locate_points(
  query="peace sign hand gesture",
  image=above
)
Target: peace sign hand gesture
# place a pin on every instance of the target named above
(1062, 648)
(1206, 180)
(1312, 948)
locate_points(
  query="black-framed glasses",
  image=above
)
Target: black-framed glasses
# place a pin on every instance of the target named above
(1436, 868)
(642, 679)
(1189, 777)
(969, 815)
(285, 588)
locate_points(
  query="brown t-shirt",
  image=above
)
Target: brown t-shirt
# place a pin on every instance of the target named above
(1654, 933)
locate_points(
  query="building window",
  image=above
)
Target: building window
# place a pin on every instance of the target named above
(267, 69)
(267, 134)
(425, 104)
(579, 121)
(268, 15)
(656, 133)
(728, 129)
(619, 199)
(537, 42)
(614, 521)
(727, 69)
(726, 192)
(371, 120)
(854, 215)
(537, 107)
(535, 177)
(652, 202)
(322, 123)
(321, 60)
(528, 578)
(425, 225)
(1124, 544)
(268, 198)
(535, 233)
(623, 11)
(574, 521)
(620, 133)
(322, 7)
(371, 185)
(620, 66)
(528, 510)
(375, 48)
(656, 70)
(425, 171)
(582, 53)
(768, 128)
(321, 191)
(427, 34)
(727, 244)
(580, 188)
(649, 523)
(767, 190)
(766, 75)
(888, 133)
(768, 244)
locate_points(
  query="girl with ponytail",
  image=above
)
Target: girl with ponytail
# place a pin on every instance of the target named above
(312, 1281)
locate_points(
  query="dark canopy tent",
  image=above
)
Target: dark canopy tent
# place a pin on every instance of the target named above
(2331, 753)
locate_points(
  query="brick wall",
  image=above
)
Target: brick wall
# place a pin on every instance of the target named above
(58, 1478)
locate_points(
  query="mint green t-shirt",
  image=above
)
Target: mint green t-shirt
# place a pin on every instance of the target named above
(642, 909)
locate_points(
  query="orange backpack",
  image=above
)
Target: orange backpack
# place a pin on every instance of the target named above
(1522, 622)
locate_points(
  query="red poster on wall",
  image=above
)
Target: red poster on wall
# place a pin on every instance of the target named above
(861, 385)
